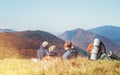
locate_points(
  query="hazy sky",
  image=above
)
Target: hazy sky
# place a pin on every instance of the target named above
(57, 16)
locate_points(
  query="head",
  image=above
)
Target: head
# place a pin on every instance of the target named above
(52, 48)
(44, 44)
(68, 45)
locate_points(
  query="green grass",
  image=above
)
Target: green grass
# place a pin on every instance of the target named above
(78, 66)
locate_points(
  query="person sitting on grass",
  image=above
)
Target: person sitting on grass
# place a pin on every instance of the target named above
(43, 51)
(52, 49)
(70, 52)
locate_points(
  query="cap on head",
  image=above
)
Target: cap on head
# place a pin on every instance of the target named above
(44, 44)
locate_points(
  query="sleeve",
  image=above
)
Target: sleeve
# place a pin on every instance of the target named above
(50, 53)
(38, 52)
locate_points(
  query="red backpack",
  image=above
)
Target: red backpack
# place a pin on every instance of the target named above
(90, 46)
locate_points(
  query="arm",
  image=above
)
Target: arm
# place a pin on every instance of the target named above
(50, 53)
(53, 54)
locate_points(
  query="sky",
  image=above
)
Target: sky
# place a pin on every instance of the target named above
(58, 16)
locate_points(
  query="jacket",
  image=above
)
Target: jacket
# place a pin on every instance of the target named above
(70, 53)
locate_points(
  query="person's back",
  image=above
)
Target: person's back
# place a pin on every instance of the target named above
(70, 53)
(41, 52)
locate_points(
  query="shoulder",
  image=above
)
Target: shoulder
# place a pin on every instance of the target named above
(66, 53)
(41, 48)
(73, 50)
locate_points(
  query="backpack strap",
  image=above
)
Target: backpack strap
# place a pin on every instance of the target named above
(104, 48)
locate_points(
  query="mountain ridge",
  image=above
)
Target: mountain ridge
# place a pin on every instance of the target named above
(6, 30)
(110, 32)
(83, 38)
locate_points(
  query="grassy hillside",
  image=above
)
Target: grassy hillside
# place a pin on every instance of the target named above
(78, 66)
(17, 45)
(25, 44)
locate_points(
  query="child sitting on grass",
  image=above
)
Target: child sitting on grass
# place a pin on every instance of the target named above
(51, 49)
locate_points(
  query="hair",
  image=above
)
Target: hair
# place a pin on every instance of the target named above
(44, 44)
(52, 48)
(68, 45)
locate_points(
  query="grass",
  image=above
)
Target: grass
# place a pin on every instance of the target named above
(78, 66)
(11, 63)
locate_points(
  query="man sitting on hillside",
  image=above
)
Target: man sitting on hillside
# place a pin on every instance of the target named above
(72, 52)
(43, 51)
(69, 52)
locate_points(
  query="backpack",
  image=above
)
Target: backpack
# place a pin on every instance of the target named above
(102, 54)
(102, 46)
(102, 49)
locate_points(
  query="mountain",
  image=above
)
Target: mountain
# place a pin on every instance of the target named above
(26, 43)
(110, 32)
(6, 30)
(82, 39)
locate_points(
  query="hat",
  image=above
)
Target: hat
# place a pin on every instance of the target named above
(44, 44)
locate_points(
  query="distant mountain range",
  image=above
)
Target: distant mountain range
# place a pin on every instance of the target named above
(110, 32)
(26, 43)
(6, 30)
(82, 39)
